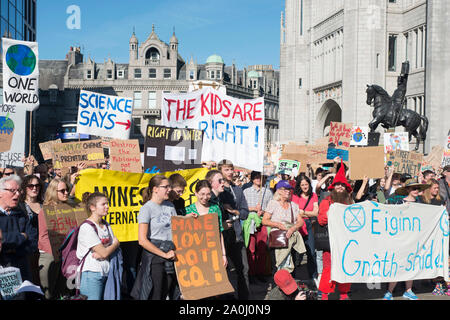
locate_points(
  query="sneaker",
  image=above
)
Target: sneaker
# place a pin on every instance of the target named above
(388, 296)
(438, 290)
(410, 295)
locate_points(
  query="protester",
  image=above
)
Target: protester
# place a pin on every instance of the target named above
(432, 194)
(178, 185)
(287, 287)
(323, 184)
(19, 238)
(255, 234)
(202, 206)
(410, 193)
(340, 193)
(307, 201)
(283, 214)
(95, 246)
(42, 171)
(380, 190)
(156, 277)
(235, 210)
(52, 281)
(427, 175)
(30, 201)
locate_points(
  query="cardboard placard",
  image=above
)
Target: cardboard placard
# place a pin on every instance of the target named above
(60, 219)
(169, 149)
(70, 154)
(125, 156)
(47, 148)
(199, 265)
(366, 161)
(405, 162)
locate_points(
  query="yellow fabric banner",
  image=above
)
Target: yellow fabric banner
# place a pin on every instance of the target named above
(123, 190)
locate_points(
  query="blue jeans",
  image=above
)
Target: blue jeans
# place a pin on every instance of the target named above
(92, 285)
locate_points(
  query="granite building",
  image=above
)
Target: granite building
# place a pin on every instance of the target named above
(331, 49)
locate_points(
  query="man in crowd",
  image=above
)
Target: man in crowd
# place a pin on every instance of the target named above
(235, 210)
(19, 238)
(427, 176)
(255, 234)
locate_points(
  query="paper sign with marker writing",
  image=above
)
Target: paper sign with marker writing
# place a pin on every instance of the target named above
(125, 155)
(12, 135)
(233, 128)
(199, 264)
(372, 242)
(103, 115)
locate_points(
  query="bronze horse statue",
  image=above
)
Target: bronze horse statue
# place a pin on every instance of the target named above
(389, 112)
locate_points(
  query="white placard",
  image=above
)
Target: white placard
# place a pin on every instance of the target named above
(372, 242)
(173, 153)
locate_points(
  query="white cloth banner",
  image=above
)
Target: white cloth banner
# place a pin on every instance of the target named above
(20, 73)
(103, 115)
(372, 242)
(234, 128)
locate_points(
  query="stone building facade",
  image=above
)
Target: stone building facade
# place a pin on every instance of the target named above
(154, 67)
(331, 49)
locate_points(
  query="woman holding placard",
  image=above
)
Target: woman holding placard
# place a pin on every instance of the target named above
(202, 206)
(52, 282)
(156, 278)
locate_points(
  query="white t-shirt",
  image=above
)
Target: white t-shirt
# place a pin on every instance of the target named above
(87, 239)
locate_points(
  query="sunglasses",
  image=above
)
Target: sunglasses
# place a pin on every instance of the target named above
(63, 191)
(32, 186)
(8, 173)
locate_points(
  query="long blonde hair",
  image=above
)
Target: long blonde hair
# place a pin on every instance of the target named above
(51, 194)
(427, 197)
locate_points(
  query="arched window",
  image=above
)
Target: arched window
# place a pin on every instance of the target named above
(151, 56)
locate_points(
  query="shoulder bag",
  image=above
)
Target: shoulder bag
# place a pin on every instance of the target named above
(278, 238)
(321, 237)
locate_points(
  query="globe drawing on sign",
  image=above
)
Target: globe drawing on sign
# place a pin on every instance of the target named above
(21, 60)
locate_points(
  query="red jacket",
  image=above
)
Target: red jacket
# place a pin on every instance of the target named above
(323, 211)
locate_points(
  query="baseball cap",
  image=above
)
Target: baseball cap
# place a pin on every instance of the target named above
(283, 184)
(285, 282)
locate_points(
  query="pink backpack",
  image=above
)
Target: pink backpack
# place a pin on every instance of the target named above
(68, 250)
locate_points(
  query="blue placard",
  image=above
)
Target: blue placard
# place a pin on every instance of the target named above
(334, 152)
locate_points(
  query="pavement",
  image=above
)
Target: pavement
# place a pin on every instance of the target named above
(359, 291)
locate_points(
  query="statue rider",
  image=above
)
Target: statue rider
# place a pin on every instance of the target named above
(398, 97)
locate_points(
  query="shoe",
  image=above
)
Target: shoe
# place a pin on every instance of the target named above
(388, 296)
(410, 295)
(438, 290)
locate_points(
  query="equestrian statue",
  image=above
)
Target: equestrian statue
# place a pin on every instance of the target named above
(390, 111)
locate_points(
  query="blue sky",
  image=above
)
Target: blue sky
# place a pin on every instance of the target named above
(246, 31)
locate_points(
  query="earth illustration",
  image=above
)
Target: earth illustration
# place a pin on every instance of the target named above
(21, 60)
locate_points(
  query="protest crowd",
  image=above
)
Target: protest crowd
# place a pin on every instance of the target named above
(267, 226)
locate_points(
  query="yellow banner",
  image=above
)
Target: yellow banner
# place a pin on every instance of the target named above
(123, 190)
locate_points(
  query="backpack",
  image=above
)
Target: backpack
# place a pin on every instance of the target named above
(68, 251)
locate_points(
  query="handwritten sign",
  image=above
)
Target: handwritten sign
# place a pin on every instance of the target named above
(124, 193)
(359, 136)
(21, 73)
(71, 153)
(405, 162)
(199, 265)
(103, 115)
(288, 166)
(47, 148)
(10, 282)
(60, 219)
(169, 149)
(12, 135)
(396, 141)
(125, 155)
(434, 159)
(373, 242)
(366, 161)
(234, 128)
(340, 134)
